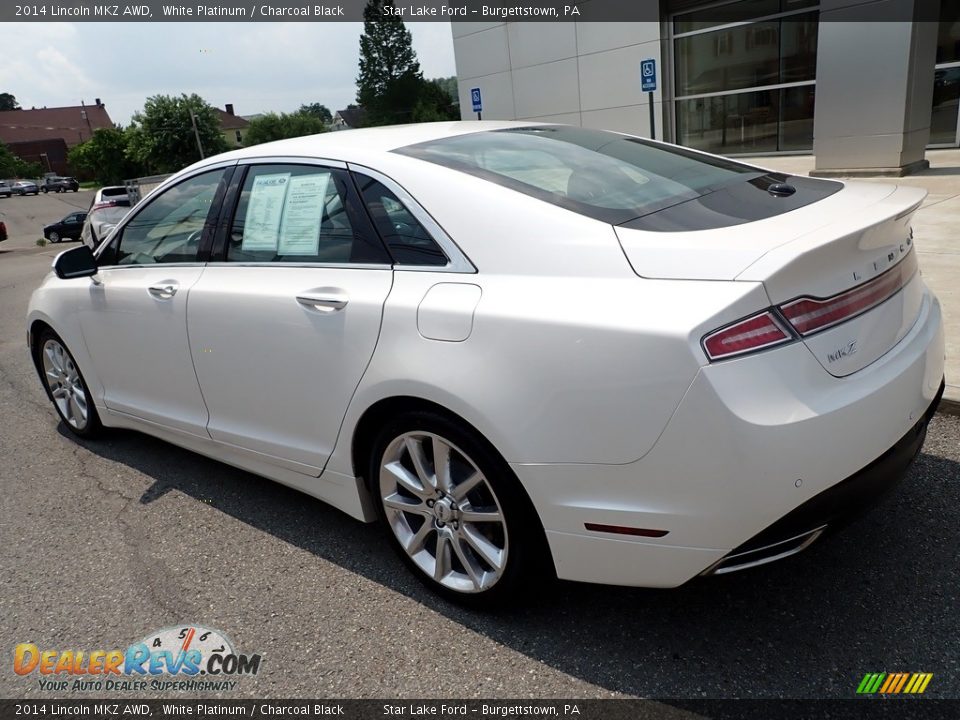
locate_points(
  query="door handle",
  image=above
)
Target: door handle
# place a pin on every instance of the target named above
(164, 291)
(325, 302)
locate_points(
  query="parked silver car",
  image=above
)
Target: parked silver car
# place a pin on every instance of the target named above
(25, 187)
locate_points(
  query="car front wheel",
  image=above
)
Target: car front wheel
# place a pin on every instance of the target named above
(66, 387)
(53, 237)
(454, 510)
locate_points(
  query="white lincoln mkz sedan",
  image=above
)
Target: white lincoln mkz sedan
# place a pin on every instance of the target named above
(526, 349)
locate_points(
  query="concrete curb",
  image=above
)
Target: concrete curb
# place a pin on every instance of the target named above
(949, 406)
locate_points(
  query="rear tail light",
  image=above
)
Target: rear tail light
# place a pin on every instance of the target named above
(756, 332)
(808, 315)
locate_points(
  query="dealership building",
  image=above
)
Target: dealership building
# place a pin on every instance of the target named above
(747, 77)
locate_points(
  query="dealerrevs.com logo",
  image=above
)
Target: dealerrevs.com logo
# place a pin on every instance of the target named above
(188, 658)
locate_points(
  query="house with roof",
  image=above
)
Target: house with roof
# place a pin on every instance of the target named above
(348, 118)
(45, 135)
(232, 126)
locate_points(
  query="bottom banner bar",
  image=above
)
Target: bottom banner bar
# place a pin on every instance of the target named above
(906, 709)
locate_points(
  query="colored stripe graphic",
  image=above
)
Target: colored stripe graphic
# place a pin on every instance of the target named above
(891, 681)
(894, 683)
(903, 679)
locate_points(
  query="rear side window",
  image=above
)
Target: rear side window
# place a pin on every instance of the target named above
(408, 241)
(300, 214)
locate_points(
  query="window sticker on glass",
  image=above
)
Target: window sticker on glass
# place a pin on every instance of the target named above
(265, 211)
(302, 214)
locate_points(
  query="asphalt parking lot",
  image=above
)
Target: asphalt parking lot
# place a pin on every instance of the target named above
(104, 543)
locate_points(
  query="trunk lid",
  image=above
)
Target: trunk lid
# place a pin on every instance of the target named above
(859, 237)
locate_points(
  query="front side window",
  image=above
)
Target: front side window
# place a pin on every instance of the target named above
(168, 230)
(300, 214)
(408, 241)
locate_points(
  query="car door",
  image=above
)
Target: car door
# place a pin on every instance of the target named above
(134, 322)
(73, 224)
(283, 324)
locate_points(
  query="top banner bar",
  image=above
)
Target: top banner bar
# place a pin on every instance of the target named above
(480, 11)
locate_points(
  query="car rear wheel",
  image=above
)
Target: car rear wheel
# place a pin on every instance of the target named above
(66, 387)
(53, 237)
(454, 511)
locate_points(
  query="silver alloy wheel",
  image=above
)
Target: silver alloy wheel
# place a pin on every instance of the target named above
(443, 511)
(54, 237)
(65, 385)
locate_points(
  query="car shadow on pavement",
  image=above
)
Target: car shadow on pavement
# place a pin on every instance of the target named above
(879, 596)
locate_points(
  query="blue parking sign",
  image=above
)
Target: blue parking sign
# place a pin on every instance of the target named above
(648, 75)
(475, 99)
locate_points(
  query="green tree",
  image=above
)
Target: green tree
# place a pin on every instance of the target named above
(390, 87)
(318, 111)
(8, 102)
(104, 157)
(390, 80)
(449, 86)
(434, 103)
(13, 166)
(8, 161)
(272, 126)
(162, 137)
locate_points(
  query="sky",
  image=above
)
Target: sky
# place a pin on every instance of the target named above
(258, 67)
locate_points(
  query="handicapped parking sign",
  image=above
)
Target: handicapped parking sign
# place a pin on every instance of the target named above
(475, 99)
(648, 75)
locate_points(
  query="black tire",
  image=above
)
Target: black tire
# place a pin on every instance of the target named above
(92, 426)
(54, 237)
(519, 535)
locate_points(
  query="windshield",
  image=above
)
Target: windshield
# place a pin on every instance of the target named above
(111, 214)
(606, 176)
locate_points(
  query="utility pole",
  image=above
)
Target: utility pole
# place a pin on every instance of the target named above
(86, 117)
(196, 133)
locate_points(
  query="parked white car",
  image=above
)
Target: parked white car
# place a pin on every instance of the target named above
(101, 219)
(524, 348)
(109, 193)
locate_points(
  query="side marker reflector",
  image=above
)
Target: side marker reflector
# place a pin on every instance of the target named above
(621, 530)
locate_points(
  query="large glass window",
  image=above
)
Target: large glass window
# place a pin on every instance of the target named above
(754, 122)
(948, 37)
(946, 106)
(735, 12)
(946, 79)
(746, 87)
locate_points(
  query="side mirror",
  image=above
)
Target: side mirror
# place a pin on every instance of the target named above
(76, 262)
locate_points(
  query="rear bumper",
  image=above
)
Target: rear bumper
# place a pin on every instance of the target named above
(833, 508)
(759, 448)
